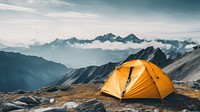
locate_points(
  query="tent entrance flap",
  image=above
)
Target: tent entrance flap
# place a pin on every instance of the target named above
(127, 81)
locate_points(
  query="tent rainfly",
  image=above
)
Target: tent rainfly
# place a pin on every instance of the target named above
(138, 79)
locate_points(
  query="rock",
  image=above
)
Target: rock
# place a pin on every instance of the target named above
(70, 105)
(195, 85)
(157, 110)
(148, 110)
(28, 100)
(185, 110)
(52, 89)
(45, 100)
(99, 82)
(51, 109)
(20, 91)
(52, 100)
(65, 88)
(19, 103)
(130, 110)
(198, 80)
(192, 107)
(10, 106)
(91, 105)
(37, 98)
(141, 109)
(179, 82)
(20, 110)
(196, 47)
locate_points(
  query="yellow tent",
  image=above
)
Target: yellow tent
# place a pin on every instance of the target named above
(138, 79)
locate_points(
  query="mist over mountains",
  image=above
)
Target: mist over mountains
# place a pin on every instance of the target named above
(76, 53)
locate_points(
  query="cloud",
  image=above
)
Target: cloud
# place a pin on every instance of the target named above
(56, 2)
(121, 46)
(73, 15)
(20, 21)
(17, 8)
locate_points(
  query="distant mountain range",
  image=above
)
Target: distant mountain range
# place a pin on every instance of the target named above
(100, 73)
(103, 38)
(106, 48)
(19, 71)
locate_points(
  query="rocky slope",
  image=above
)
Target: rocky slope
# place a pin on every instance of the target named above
(100, 73)
(186, 68)
(19, 71)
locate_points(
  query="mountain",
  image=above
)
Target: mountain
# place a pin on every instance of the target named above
(132, 38)
(102, 49)
(156, 56)
(113, 38)
(186, 68)
(99, 73)
(19, 71)
(108, 37)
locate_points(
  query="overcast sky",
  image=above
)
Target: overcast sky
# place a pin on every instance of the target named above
(27, 21)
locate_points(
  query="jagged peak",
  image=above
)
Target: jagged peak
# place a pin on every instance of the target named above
(150, 48)
(109, 35)
(57, 40)
(132, 36)
(73, 38)
(158, 49)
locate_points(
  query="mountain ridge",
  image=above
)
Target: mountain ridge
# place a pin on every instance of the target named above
(20, 71)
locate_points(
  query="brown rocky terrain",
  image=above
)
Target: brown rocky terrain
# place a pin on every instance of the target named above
(69, 97)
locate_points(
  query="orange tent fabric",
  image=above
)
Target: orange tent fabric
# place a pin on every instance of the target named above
(138, 79)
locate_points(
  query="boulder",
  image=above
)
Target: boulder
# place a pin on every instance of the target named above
(192, 107)
(45, 100)
(70, 105)
(195, 85)
(130, 110)
(10, 106)
(38, 99)
(28, 100)
(65, 88)
(198, 80)
(157, 110)
(178, 82)
(52, 100)
(20, 91)
(52, 89)
(51, 109)
(19, 103)
(196, 47)
(91, 105)
(148, 110)
(186, 110)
